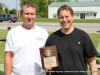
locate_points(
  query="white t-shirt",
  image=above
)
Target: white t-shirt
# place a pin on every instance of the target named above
(25, 46)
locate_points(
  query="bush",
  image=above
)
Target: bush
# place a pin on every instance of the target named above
(98, 60)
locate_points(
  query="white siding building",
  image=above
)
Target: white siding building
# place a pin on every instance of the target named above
(82, 10)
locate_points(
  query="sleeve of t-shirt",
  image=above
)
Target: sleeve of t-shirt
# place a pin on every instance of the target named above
(89, 48)
(9, 43)
(48, 42)
(46, 36)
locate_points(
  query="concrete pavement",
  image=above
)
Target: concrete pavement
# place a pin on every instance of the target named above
(88, 27)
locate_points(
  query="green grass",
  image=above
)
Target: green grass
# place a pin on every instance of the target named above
(2, 52)
(56, 20)
(95, 38)
(90, 74)
(86, 21)
(1, 73)
(3, 32)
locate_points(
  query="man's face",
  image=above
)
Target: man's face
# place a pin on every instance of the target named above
(28, 16)
(65, 19)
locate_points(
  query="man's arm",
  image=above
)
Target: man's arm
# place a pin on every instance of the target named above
(93, 66)
(8, 63)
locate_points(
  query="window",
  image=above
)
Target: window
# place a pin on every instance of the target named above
(4, 15)
(82, 15)
(8, 15)
(54, 15)
(94, 14)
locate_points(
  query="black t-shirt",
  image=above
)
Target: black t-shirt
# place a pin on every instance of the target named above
(73, 49)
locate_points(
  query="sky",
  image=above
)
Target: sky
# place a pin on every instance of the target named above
(13, 3)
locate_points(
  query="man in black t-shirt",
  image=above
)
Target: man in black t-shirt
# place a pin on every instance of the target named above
(74, 47)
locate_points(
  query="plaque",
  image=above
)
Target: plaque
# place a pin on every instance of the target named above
(49, 56)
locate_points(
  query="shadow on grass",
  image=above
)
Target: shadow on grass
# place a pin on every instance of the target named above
(1, 73)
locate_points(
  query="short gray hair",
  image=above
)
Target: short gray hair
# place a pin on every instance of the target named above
(28, 4)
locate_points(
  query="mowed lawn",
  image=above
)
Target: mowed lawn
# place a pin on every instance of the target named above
(56, 20)
(3, 32)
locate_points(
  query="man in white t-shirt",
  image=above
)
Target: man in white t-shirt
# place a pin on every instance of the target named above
(22, 56)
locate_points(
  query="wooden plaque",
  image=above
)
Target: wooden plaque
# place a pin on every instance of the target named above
(49, 56)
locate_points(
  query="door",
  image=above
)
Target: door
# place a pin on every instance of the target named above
(82, 15)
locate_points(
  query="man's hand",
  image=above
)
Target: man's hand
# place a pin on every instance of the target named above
(49, 68)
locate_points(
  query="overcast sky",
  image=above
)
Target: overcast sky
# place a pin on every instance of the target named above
(12, 3)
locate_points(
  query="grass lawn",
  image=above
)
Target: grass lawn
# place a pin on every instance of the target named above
(56, 20)
(3, 32)
(1, 73)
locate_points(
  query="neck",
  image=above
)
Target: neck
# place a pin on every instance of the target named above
(28, 27)
(67, 30)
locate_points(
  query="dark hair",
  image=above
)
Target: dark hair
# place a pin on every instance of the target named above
(65, 7)
(28, 4)
(8, 28)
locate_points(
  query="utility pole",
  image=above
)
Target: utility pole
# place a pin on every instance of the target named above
(17, 1)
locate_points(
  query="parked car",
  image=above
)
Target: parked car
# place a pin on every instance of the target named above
(8, 17)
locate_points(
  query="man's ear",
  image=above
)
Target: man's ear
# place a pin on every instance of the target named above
(20, 15)
(36, 15)
(73, 16)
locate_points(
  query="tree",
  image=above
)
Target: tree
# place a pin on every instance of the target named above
(67, 0)
(1, 8)
(76, 0)
(6, 10)
(41, 5)
(13, 11)
(36, 2)
(63, 0)
(43, 8)
(49, 2)
(59, 0)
